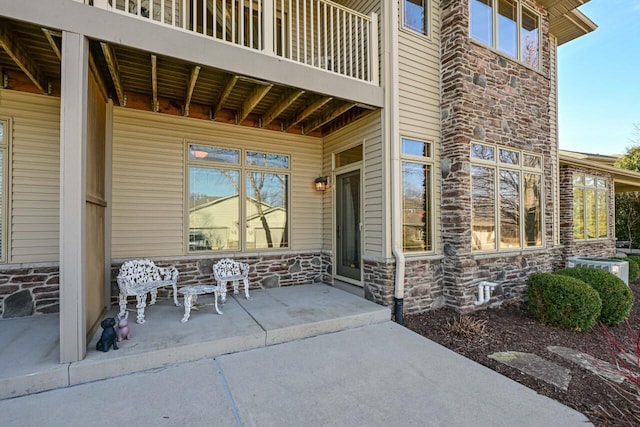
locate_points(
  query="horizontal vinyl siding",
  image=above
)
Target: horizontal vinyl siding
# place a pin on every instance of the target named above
(419, 100)
(35, 176)
(367, 131)
(148, 206)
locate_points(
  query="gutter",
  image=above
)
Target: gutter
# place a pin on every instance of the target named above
(393, 97)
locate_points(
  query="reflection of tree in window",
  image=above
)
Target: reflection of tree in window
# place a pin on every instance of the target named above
(530, 46)
(532, 209)
(578, 213)
(590, 213)
(483, 207)
(415, 206)
(602, 214)
(509, 209)
(509, 157)
(484, 152)
(589, 207)
(266, 192)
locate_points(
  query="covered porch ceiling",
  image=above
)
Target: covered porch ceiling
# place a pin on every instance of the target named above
(30, 59)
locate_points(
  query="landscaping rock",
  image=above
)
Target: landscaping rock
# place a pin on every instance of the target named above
(590, 363)
(536, 366)
(18, 305)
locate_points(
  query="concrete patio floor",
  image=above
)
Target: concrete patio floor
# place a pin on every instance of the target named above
(29, 347)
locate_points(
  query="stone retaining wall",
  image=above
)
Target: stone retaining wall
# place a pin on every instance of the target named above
(28, 291)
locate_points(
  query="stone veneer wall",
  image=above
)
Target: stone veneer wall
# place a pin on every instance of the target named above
(378, 277)
(600, 247)
(265, 271)
(422, 289)
(28, 291)
(487, 97)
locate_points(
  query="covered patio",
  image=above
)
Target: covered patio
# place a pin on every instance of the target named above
(271, 316)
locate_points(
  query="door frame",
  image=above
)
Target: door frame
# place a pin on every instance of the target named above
(356, 166)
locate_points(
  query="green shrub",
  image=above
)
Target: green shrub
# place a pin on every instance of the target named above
(617, 298)
(563, 301)
(634, 270)
(633, 259)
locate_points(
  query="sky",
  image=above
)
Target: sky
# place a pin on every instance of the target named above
(599, 81)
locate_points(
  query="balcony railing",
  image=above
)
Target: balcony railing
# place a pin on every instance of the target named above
(318, 33)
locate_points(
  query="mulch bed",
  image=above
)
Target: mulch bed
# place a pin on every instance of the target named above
(512, 328)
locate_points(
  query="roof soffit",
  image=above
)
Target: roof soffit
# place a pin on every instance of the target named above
(566, 22)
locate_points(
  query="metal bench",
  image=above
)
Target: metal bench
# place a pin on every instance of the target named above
(228, 270)
(140, 277)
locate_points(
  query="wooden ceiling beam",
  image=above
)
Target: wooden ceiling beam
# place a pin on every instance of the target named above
(326, 118)
(110, 57)
(18, 54)
(193, 78)
(252, 100)
(49, 34)
(98, 76)
(224, 94)
(154, 84)
(306, 112)
(278, 108)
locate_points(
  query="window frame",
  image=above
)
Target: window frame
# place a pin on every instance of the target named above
(522, 169)
(5, 145)
(583, 185)
(423, 161)
(243, 168)
(495, 33)
(426, 4)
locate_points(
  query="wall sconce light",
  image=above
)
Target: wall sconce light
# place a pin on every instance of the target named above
(321, 183)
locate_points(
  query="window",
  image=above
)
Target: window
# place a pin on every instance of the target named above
(416, 196)
(4, 143)
(506, 198)
(589, 207)
(530, 38)
(229, 187)
(507, 26)
(348, 157)
(415, 16)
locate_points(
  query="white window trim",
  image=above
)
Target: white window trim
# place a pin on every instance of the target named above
(242, 168)
(427, 21)
(425, 160)
(497, 166)
(494, 47)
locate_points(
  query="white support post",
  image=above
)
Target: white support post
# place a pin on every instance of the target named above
(73, 142)
(269, 29)
(374, 77)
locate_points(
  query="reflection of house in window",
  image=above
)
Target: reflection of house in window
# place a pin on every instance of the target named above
(213, 224)
(216, 220)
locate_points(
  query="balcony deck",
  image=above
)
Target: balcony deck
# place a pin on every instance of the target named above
(313, 86)
(318, 33)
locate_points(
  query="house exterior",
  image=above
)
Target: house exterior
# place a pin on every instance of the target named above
(188, 131)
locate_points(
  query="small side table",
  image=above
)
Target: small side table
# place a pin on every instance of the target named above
(191, 296)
